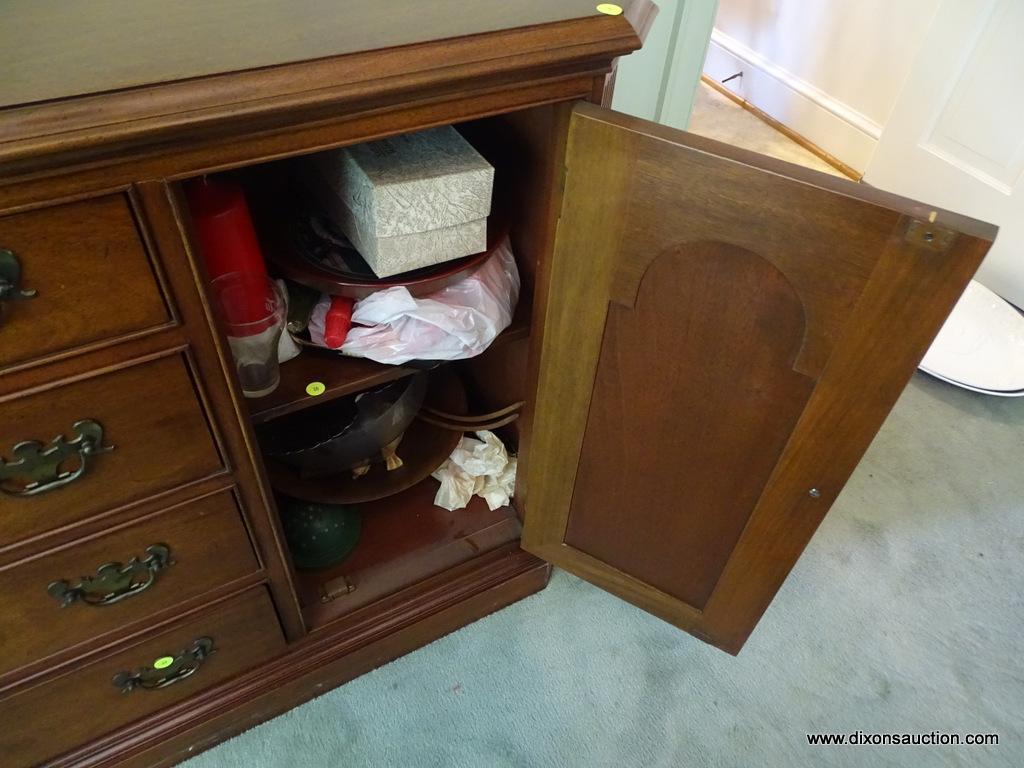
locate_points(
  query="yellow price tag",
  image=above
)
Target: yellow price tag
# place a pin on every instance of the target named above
(610, 9)
(315, 388)
(163, 662)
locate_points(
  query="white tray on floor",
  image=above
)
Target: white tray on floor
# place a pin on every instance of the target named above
(981, 346)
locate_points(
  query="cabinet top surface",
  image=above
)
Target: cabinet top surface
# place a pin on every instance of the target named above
(55, 49)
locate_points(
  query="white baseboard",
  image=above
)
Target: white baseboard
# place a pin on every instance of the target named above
(823, 120)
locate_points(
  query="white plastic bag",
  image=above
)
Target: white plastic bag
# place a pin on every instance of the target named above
(454, 323)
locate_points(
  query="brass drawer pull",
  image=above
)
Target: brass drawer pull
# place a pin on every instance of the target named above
(36, 468)
(167, 670)
(114, 582)
(10, 278)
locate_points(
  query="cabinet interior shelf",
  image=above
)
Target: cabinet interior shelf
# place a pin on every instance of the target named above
(404, 540)
(347, 375)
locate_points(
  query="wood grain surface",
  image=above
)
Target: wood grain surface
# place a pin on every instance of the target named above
(700, 370)
(163, 209)
(82, 704)
(120, 44)
(341, 651)
(404, 540)
(148, 412)
(209, 547)
(668, 431)
(93, 276)
(126, 117)
(272, 98)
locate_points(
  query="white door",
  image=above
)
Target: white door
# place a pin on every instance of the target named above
(956, 134)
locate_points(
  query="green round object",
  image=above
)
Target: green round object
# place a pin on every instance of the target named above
(319, 535)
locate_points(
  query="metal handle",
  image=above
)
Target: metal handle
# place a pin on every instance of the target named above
(36, 468)
(114, 582)
(167, 670)
(10, 278)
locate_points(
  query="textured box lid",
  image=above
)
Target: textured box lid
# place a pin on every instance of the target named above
(411, 183)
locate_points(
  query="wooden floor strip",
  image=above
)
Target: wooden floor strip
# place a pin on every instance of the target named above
(788, 132)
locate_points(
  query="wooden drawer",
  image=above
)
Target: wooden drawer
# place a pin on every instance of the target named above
(68, 711)
(93, 277)
(197, 547)
(148, 412)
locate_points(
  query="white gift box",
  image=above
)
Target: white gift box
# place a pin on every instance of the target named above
(408, 201)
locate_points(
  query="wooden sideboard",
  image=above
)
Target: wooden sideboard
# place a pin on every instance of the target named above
(707, 341)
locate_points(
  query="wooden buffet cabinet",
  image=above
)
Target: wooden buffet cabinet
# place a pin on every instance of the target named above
(707, 342)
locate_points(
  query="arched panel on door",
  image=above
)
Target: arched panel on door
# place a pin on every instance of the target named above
(699, 373)
(723, 335)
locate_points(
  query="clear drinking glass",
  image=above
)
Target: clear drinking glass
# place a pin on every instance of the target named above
(253, 310)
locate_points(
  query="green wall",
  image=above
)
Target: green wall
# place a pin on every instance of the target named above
(658, 82)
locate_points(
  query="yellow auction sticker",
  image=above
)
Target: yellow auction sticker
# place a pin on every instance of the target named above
(163, 662)
(610, 9)
(315, 388)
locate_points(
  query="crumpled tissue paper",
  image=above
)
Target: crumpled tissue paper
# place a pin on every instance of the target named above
(482, 467)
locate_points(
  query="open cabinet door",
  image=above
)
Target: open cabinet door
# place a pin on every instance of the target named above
(723, 336)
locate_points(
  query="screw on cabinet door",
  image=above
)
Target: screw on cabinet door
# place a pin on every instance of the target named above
(814, 493)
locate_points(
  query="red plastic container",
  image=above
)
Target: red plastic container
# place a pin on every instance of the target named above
(338, 321)
(227, 238)
(224, 227)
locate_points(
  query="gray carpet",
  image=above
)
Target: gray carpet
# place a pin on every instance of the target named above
(904, 615)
